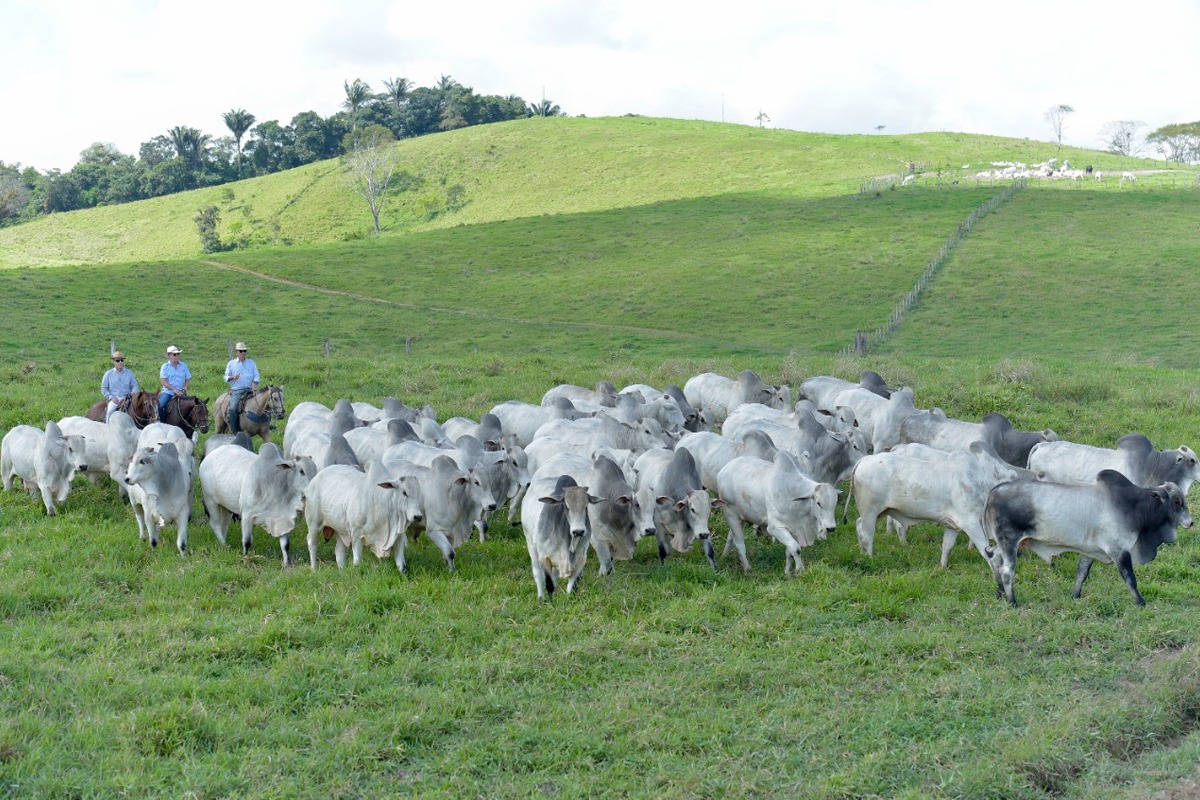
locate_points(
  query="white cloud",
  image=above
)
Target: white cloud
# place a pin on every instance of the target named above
(124, 71)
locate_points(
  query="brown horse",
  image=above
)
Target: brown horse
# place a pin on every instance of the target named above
(188, 413)
(142, 406)
(260, 408)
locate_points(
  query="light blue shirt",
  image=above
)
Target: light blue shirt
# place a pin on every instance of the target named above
(118, 384)
(247, 374)
(175, 376)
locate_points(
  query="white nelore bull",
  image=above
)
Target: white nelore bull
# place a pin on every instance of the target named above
(372, 509)
(44, 460)
(682, 505)
(264, 489)
(554, 518)
(160, 491)
(914, 483)
(776, 496)
(1109, 520)
(1134, 457)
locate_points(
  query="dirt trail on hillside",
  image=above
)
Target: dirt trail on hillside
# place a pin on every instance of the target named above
(591, 326)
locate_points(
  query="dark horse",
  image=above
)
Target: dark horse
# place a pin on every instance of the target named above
(189, 414)
(142, 406)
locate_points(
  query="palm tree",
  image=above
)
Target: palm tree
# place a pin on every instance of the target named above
(239, 120)
(445, 84)
(546, 108)
(397, 90)
(358, 94)
(189, 143)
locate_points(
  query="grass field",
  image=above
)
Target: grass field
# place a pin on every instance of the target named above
(131, 672)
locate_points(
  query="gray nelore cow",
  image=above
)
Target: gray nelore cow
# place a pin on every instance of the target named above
(1109, 520)
(712, 451)
(776, 496)
(935, 429)
(218, 440)
(914, 483)
(1134, 457)
(721, 395)
(682, 505)
(621, 518)
(555, 520)
(451, 502)
(824, 456)
(123, 435)
(372, 508)
(95, 439)
(160, 493)
(264, 489)
(43, 460)
(695, 419)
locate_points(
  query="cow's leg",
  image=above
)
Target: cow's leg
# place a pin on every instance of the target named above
(356, 550)
(949, 537)
(865, 527)
(181, 526)
(284, 547)
(663, 550)
(47, 498)
(897, 527)
(709, 553)
(314, 537)
(218, 518)
(1081, 574)
(1125, 567)
(736, 537)
(604, 555)
(793, 564)
(339, 552)
(576, 579)
(539, 579)
(443, 544)
(398, 553)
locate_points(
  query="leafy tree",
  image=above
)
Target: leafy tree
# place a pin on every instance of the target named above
(314, 138)
(370, 162)
(1178, 142)
(238, 120)
(545, 108)
(358, 94)
(14, 194)
(445, 84)
(206, 223)
(189, 144)
(1057, 117)
(103, 153)
(422, 112)
(156, 151)
(168, 177)
(268, 147)
(1120, 137)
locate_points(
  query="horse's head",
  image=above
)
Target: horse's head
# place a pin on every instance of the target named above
(199, 415)
(275, 402)
(143, 407)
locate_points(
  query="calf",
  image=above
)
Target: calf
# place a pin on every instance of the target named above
(1109, 520)
(160, 492)
(554, 518)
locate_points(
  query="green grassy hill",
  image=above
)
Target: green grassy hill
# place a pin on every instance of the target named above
(630, 250)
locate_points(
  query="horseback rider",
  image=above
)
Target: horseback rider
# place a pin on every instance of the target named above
(175, 378)
(117, 385)
(241, 373)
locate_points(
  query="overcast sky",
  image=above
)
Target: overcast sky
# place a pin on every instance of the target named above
(74, 72)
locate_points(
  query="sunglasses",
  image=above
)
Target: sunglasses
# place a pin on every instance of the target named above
(118, 361)
(241, 351)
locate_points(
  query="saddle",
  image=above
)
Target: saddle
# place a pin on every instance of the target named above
(251, 415)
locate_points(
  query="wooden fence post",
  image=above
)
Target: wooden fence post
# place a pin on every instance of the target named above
(327, 347)
(408, 345)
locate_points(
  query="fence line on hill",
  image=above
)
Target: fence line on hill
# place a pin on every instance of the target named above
(864, 340)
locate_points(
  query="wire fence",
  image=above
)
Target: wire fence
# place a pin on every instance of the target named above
(865, 340)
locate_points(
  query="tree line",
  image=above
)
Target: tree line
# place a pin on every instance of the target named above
(185, 158)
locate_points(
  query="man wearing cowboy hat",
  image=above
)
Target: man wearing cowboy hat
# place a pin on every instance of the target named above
(175, 378)
(241, 374)
(117, 385)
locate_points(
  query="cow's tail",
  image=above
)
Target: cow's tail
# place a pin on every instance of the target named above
(849, 491)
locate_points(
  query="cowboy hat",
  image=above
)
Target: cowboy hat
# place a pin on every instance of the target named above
(173, 349)
(240, 346)
(118, 355)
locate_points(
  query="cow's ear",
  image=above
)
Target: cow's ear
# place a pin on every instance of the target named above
(681, 505)
(388, 484)
(550, 500)
(460, 481)
(718, 503)
(285, 464)
(623, 500)
(662, 500)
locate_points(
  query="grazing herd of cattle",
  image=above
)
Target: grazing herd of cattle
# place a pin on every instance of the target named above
(601, 469)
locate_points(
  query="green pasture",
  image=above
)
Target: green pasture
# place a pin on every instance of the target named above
(685, 247)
